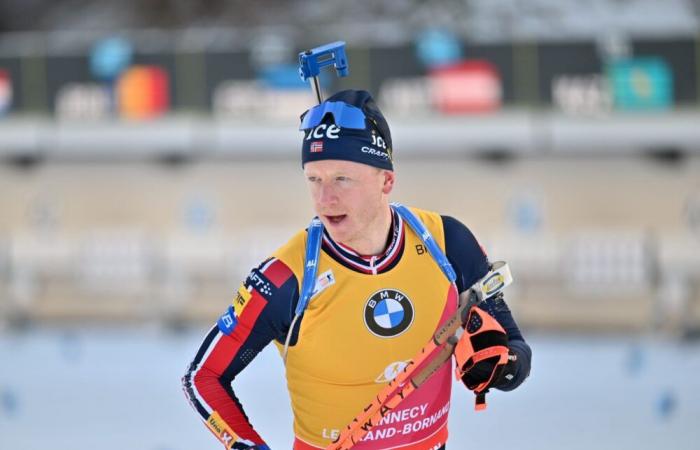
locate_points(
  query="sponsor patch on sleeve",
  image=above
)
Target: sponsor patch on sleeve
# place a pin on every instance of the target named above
(260, 282)
(228, 321)
(241, 299)
(222, 431)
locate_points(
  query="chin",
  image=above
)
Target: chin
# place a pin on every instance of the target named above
(339, 234)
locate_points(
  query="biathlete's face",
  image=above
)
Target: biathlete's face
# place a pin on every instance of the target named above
(349, 198)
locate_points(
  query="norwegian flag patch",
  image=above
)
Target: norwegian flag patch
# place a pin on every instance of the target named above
(316, 147)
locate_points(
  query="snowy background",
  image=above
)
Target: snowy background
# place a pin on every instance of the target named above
(126, 226)
(115, 389)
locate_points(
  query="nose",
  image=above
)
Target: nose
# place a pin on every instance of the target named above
(327, 195)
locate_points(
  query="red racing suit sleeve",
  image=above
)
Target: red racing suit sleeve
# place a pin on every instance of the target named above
(261, 311)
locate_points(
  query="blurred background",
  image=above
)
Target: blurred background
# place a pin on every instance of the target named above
(149, 157)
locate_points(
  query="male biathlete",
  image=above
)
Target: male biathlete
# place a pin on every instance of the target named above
(377, 299)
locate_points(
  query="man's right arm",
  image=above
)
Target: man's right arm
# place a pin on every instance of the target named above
(261, 311)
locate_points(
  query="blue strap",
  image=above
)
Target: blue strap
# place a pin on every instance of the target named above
(428, 240)
(313, 249)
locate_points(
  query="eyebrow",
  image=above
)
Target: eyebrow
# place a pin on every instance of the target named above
(337, 174)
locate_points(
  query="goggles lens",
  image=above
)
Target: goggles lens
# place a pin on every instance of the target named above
(344, 115)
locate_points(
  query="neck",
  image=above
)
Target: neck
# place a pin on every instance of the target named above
(374, 241)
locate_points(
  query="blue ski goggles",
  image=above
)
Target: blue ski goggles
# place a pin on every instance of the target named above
(344, 115)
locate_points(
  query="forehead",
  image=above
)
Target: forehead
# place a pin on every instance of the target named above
(334, 167)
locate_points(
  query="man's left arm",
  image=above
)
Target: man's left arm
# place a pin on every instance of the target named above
(471, 263)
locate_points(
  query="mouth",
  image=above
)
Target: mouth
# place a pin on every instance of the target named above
(335, 220)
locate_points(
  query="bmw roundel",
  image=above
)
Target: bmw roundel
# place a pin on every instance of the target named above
(388, 313)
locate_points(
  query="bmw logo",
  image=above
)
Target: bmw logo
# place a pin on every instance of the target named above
(388, 313)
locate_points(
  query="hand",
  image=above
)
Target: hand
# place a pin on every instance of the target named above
(482, 352)
(482, 371)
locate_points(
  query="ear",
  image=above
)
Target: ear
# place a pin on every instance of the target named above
(389, 180)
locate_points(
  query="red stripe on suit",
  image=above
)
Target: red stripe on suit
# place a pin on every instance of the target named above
(225, 351)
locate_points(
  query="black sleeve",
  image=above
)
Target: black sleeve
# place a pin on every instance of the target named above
(464, 253)
(471, 263)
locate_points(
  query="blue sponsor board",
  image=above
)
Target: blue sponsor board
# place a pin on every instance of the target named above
(641, 84)
(437, 47)
(110, 57)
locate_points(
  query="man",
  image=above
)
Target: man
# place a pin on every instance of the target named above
(377, 298)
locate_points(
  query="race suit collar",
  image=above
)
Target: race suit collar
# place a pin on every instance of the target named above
(369, 264)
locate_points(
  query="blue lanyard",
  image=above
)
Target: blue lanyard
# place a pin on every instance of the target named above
(428, 240)
(313, 249)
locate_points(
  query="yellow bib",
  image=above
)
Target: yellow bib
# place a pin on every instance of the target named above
(358, 329)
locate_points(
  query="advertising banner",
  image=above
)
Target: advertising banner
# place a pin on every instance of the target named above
(466, 87)
(5, 91)
(143, 92)
(641, 84)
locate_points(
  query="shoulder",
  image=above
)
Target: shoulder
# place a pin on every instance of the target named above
(458, 233)
(292, 253)
(464, 252)
(429, 218)
(433, 222)
(277, 278)
(453, 231)
(263, 302)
